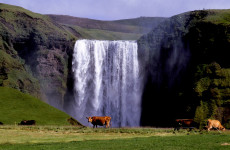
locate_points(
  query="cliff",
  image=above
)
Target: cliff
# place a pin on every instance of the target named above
(187, 68)
(36, 50)
(184, 59)
(35, 54)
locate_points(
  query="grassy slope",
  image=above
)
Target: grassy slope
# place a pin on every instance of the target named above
(105, 35)
(24, 22)
(219, 17)
(129, 29)
(16, 106)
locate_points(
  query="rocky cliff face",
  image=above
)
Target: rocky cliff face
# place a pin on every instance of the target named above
(172, 54)
(35, 54)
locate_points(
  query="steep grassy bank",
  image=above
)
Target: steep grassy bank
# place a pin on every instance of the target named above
(16, 106)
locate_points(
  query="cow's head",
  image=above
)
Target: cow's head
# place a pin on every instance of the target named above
(89, 119)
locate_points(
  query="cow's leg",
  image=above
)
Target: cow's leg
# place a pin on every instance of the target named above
(106, 124)
(176, 128)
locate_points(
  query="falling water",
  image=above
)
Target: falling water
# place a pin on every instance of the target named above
(107, 81)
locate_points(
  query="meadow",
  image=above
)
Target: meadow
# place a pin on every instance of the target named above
(70, 137)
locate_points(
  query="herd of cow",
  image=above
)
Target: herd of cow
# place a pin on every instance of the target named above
(179, 123)
(190, 124)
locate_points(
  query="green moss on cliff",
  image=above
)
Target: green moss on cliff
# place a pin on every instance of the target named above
(15, 74)
(39, 47)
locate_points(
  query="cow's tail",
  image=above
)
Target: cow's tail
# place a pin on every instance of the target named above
(110, 123)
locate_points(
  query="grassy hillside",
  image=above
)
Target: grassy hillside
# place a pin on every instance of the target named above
(219, 17)
(128, 29)
(16, 106)
(103, 34)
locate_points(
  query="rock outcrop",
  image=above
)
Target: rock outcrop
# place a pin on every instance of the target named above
(35, 54)
(176, 57)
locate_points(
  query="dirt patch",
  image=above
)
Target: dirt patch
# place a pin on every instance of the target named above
(225, 144)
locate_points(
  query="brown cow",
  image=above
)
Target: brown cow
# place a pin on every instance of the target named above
(101, 121)
(214, 124)
(185, 124)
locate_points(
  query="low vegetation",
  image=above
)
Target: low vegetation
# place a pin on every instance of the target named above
(17, 75)
(212, 88)
(219, 16)
(68, 137)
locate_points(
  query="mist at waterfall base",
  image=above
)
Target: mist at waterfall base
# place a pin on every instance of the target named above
(107, 81)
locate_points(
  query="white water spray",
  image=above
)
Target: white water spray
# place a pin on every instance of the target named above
(107, 81)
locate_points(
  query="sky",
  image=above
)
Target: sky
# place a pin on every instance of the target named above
(117, 9)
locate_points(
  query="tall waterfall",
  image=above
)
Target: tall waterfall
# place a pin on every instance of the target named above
(107, 82)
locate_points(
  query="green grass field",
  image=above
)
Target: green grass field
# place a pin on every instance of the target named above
(16, 106)
(83, 138)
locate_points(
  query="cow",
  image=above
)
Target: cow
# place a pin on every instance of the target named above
(1, 123)
(100, 120)
(27, 122)
(215, 124)
(185, 124)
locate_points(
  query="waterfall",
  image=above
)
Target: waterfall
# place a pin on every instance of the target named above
(107, 82)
